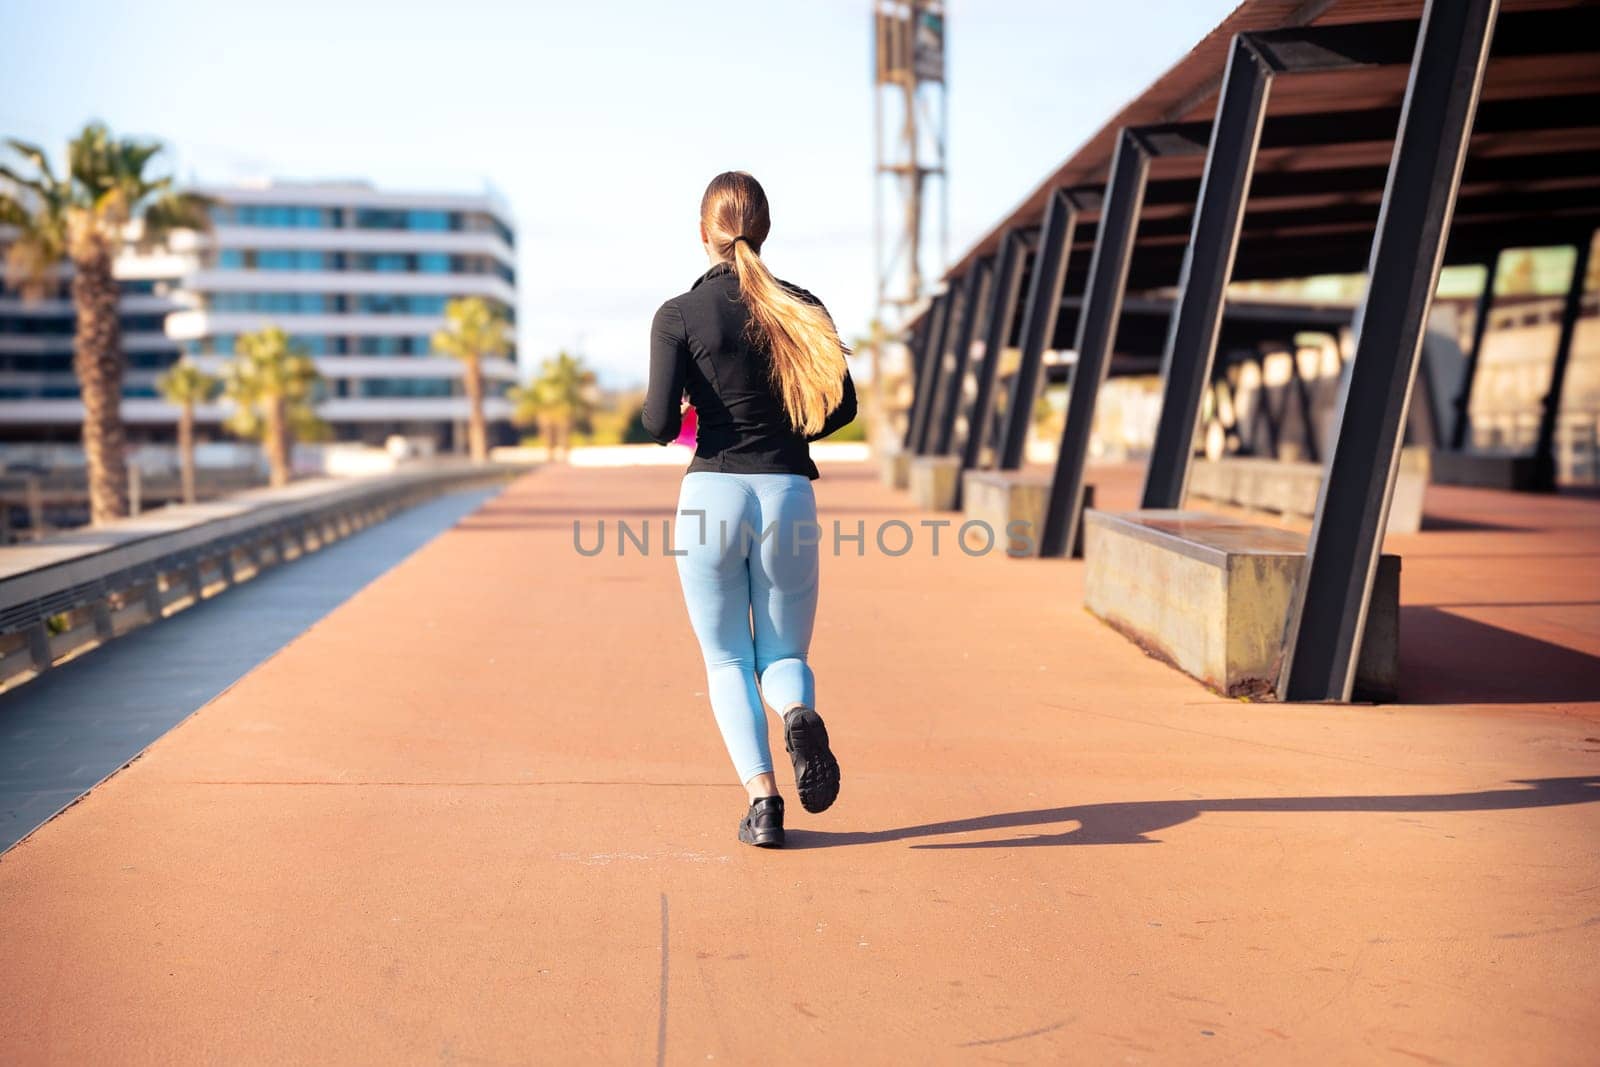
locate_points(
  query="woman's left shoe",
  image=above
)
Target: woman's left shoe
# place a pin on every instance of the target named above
(762, 825)
(816, 772)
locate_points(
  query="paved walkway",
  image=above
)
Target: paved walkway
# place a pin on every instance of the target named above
(65, 730)
(480, 814)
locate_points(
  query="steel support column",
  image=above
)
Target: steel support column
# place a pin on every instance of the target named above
(1461, 425)
(1322, 638)
(1544, 449)
(1097, 333)
(1038, 323)
(974, 302)
(916, 352)
(1003, 290)
(927, 369)
(1191, 343)
(938, 361)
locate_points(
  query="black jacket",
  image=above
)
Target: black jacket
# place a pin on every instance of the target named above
(699, 344)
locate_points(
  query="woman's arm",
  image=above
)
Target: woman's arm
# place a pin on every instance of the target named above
(669, 347)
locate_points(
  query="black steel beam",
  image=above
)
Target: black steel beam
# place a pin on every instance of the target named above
(1298, 49)
(916, 340)
(1322, 638)
(1461, 425)
(1307, 49)
(1003, 292)
(1039, 323)
(974, 304)
(1544, 449)
(1097, 330)
(928, 368)
(1207, 269)
(917, 367)
(1320, 128)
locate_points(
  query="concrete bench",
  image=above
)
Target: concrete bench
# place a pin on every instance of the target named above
(1492, 470)
(894, 467)
(1001, 498)
(936, 482)
(1290, 488)
(1210, 595)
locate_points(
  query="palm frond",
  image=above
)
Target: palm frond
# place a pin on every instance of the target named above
(131, 157)
(39, 187)
(12, 213)
(473, 330)
(31, 260)
(35, 155)
(175, 211)
(186, 384)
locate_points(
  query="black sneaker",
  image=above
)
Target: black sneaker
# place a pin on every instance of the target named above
(816, 772)
(762, 825)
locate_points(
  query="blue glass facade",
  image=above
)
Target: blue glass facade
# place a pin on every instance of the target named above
(332, 303)
(293, 259)
(339, 235)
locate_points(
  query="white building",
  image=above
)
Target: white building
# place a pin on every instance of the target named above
(358, 276)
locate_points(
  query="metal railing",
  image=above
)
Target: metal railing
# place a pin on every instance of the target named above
(1577, 441)
(92, 586)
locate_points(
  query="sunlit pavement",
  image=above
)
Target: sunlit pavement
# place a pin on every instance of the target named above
(480, 813)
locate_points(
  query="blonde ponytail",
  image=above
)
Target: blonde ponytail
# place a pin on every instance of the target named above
(808, 366)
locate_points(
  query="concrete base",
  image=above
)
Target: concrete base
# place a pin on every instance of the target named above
(1288, 488)
(1490, 470)
(1013, 504)
(894, 467)
(936, 482)
(1210, 595)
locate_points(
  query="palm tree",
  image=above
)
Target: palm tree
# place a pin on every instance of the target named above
(559, 398)
(272, 383)
(474, 331)
(84, 216)
(185, 386)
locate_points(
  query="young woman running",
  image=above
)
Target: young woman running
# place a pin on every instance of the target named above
(765, 371)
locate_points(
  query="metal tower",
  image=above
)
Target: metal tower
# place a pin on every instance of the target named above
(909, 111)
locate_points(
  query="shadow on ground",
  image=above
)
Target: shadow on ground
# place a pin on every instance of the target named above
(1130, 823)
(1449, 659)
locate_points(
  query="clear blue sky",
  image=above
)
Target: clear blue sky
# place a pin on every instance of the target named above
(601, 122)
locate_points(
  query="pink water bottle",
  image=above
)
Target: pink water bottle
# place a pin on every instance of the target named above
(686, 436)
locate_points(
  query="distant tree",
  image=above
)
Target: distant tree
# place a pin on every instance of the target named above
(83, 217)
(185, 386)
(473, 332)
(561, 397)
(634, 432)
(272, 383)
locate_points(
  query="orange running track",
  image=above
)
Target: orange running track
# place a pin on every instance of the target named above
(480, 814)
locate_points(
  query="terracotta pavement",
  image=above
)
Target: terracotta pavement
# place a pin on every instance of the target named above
(480, 814)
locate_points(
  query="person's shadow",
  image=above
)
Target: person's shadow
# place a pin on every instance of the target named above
(1129, 823)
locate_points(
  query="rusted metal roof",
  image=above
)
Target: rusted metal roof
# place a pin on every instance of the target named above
(1534, 161)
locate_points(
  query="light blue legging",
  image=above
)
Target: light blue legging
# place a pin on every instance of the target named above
(749, 573)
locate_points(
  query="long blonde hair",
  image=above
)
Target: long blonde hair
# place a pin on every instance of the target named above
(808, 365)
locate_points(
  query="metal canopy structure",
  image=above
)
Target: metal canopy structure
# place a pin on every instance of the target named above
(1296, 139)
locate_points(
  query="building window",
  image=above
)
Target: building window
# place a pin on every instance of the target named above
(405, 387)
(371, 218)
(394, 345)
(290, 259)
(282, 303)
(273, 215)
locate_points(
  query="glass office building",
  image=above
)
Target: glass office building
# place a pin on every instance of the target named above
(359, 277)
